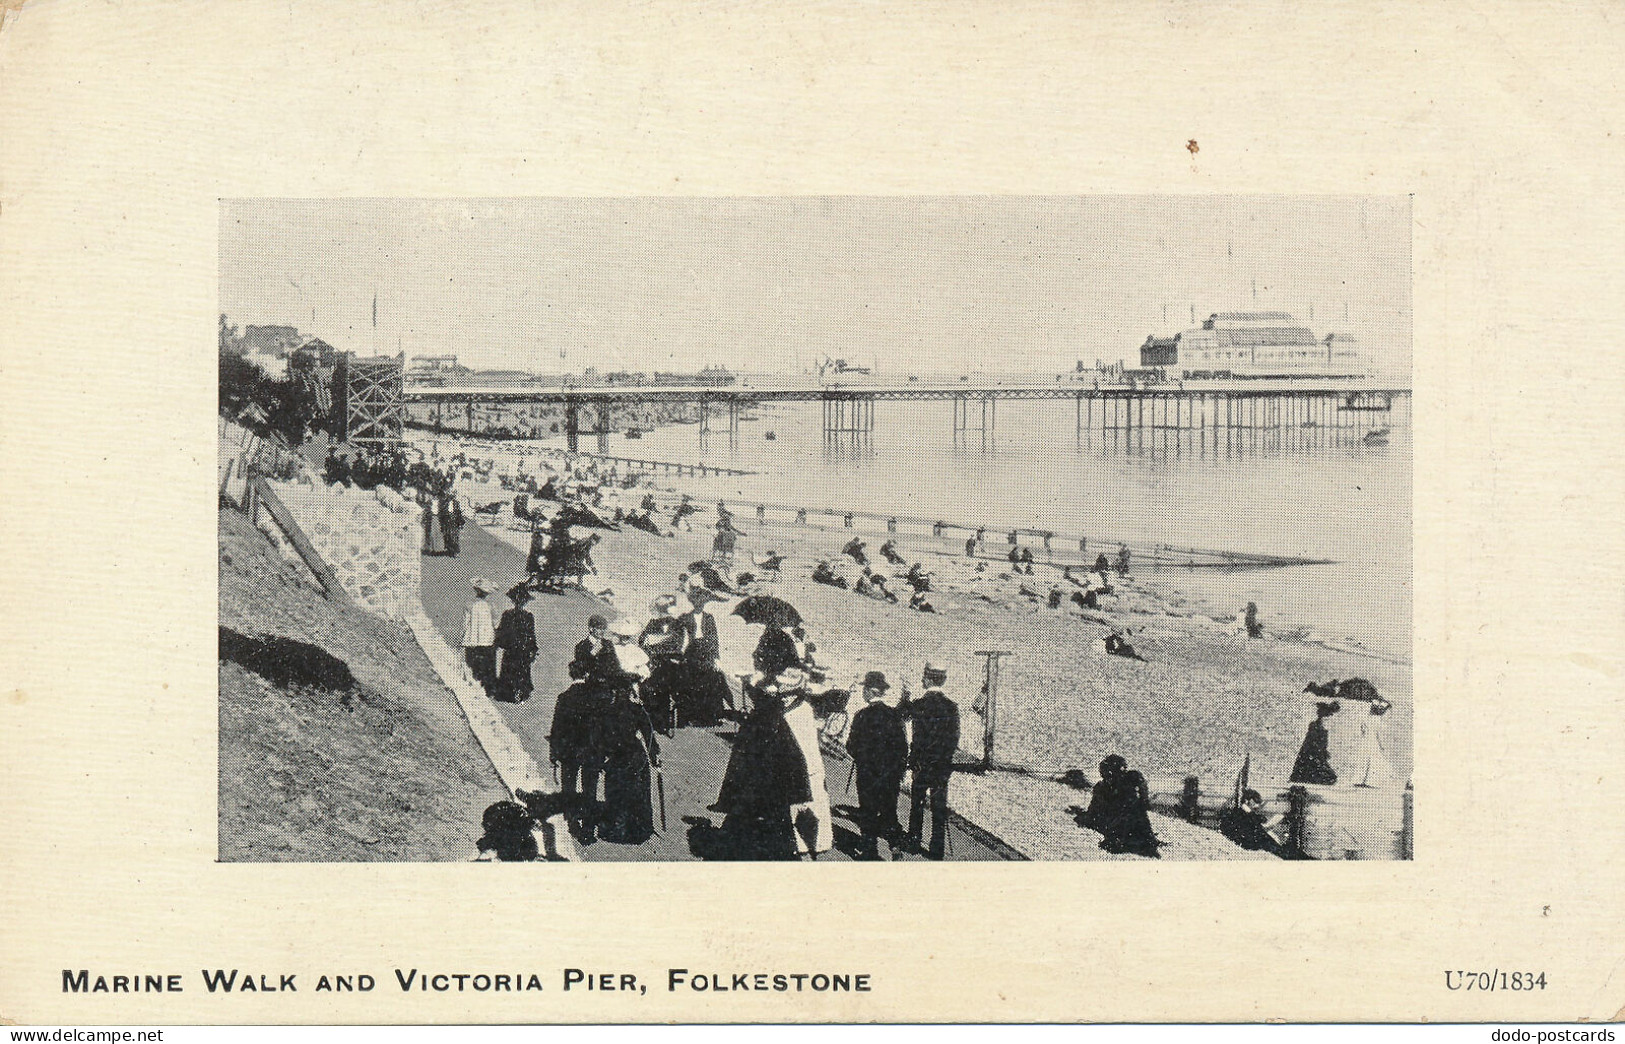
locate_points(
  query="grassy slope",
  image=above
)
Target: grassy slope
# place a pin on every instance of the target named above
(384, 770)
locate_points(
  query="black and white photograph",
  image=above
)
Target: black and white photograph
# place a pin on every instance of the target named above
(815, 528)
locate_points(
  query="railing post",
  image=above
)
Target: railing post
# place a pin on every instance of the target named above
(1297, 819)
(1407, 828)
(1190, 799)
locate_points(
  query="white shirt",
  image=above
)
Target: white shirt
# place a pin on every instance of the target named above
(477, 626)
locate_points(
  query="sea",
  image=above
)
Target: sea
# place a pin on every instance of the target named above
(1314, 493)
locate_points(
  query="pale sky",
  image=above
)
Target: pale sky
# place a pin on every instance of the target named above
(908, 284)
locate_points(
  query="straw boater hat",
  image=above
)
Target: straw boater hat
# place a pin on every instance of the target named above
(934, 675)
(482, 585)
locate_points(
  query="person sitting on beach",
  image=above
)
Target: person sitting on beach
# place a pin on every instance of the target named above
(648, 502)
(1086, 599)
(918, 578)
(679, 515)
(970, 547)
(1117, 645)
(823, 574)
(1055, 598)
(919, 604)
(1119, 808)
(1102, 565)
(888, 551)
(1027, 560)
(644, 521)
(1122, 559)
(854, 550)
(1015, 559)
(1249, 828)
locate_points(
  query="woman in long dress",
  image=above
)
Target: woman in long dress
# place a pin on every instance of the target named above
(812, 820)
(1371, 768)
(1314, 764)
(434, 541)
(451, 524)
(516, 640)
(662, 640)
(630, 752)
(766, 777)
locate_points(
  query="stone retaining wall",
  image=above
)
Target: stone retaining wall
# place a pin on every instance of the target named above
(372, 539)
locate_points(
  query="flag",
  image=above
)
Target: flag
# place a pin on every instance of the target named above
(1241, 780)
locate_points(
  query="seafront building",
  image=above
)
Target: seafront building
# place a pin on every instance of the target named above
(1254, 344)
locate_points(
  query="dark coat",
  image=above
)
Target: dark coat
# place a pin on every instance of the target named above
(701, 646)
(936, 733)
(1119, 809)
(767, 773)
(878, 744)
(603, 663)
(627, 744)
(578, 715)
(1314, 764)
(516, 637)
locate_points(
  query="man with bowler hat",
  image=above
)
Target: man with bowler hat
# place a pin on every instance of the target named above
(931, 756)
(879, 749)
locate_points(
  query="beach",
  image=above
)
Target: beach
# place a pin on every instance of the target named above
(1205, 699)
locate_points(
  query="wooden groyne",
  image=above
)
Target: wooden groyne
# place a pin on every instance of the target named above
(994, 542)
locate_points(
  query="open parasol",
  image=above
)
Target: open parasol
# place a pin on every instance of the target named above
(767, 610)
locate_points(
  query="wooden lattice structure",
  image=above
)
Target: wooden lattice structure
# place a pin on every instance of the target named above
(368, 401)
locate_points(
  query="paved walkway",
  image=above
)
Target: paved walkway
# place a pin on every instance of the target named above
(693, 762)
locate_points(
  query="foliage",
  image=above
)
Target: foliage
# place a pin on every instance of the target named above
(265, 404)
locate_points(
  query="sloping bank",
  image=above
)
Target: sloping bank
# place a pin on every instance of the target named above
(338, 741)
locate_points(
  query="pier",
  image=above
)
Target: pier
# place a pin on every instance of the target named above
(850, 409)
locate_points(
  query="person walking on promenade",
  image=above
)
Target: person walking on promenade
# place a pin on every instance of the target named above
(879, 748)
(1314, 763)
(434, 541)
(704, 696)
(931, 756)
(479, 636)
(765, 778)
(516, 641)
(810, 819)
(662, 641)
(595, 657)
(451, 523)
(573, 745)
(630, 754)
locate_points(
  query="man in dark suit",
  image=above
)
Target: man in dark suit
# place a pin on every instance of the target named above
(879, 749)
(595, 657)
(704, 695)
(931, 756)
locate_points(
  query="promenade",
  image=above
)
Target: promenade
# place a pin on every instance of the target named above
(693, 762)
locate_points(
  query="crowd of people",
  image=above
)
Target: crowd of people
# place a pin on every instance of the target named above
(631, 687)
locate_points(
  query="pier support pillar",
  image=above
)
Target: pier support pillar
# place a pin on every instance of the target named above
(572, 427)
